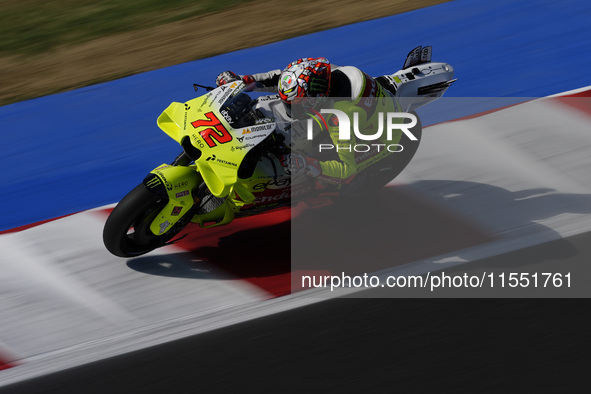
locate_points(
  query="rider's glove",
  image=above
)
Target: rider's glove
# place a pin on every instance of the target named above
(229, 76)
(297, 164)
(248, 79)
(226, 77)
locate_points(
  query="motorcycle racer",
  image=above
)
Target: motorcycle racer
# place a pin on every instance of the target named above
(233, 146)
(316, 78)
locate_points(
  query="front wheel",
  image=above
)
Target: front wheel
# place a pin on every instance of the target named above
(127, 230)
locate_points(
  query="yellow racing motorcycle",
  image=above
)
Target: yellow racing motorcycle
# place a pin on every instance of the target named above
(233, 162)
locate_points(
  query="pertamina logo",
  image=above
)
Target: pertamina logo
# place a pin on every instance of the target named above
(222, 161)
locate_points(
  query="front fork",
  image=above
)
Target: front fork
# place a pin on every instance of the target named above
(177, 183)
(183, 186)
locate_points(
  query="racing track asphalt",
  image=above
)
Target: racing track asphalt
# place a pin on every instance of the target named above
(371, 345)
(354, 345)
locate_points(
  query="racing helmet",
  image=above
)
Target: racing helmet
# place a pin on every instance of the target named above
(307, 77)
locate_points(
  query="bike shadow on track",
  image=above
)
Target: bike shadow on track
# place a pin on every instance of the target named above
(252, 252)
(398, 225)
(511, 214)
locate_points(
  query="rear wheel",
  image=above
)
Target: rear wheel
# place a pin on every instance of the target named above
(127, 230)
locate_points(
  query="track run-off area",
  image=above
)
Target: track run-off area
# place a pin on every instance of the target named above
(503, 165)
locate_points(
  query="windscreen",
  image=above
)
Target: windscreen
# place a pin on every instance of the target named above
(238, 111)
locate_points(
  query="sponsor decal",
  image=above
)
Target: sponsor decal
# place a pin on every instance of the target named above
(182, 194)
(253, 137)
(181, 184)
(246, 146)
(215, 133)
(226, 115)
(166, 183)
(263, 127)
(204, 103)
(264, 120)
(255, 129)
(187, 108)
(226, 93)
(271, 97)
(250, 137)
(176, 211)
(154, 182)
(277, 183)
(163, 226)
(281, 194)
(221, 161)
(370, 93)
(223, 97)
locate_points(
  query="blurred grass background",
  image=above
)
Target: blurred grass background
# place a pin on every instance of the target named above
(50, 46)
(34, 26)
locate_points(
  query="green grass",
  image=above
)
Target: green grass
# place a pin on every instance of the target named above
(35, 26)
